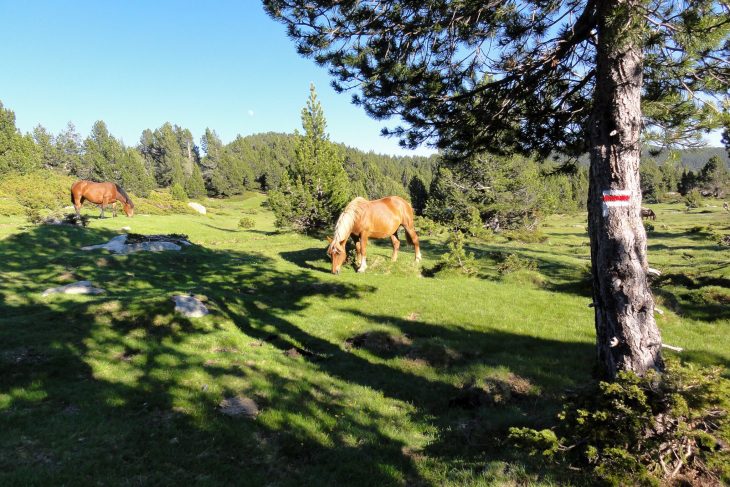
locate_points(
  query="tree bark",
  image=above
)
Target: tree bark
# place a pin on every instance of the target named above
(627, 337)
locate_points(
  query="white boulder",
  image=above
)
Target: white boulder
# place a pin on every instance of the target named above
(198, 207)
(119, 245)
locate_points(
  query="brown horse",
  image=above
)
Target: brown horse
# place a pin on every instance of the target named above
(371, 219)
(101, 194)
(648, 213)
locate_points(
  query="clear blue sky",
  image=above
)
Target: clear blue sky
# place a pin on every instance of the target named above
(137, 64)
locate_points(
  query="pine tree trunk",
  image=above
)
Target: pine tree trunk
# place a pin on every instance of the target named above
(627, 337)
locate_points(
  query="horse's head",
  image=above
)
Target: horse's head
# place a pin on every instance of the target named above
(129, 208)
(336, 251)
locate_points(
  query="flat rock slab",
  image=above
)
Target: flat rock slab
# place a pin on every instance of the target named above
(130, 243)
(239, 406)
(79, 287)
(189, 306)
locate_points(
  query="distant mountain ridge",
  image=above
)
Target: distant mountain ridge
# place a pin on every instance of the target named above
(692, 159)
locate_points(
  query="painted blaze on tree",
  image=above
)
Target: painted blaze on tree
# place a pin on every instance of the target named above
(538, 77)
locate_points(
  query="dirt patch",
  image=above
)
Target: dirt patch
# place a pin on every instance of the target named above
(127, 355)
(296, 352)
(494, 392)
(380, 343)
(435, 354)
(239, 406)
(69, 276)
(226, 350)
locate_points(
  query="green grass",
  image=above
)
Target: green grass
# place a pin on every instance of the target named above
(117, 390)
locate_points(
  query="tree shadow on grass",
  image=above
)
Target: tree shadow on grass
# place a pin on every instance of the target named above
(306, 259)
(266, 233)
(222, 229)
(561, 277)
(474, 436)
(117, 388)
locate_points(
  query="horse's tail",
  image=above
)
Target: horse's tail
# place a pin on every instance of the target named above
(407, 221)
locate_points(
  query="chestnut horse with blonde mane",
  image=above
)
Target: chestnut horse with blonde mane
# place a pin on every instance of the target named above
(371, 219)
(101, 194)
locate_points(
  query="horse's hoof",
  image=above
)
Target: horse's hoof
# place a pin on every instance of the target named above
(361, 270)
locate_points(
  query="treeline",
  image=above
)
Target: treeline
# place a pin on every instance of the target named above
(659, 180)
(170, 157)
(483, 192)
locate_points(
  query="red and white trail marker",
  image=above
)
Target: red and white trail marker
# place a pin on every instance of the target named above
(615, 197)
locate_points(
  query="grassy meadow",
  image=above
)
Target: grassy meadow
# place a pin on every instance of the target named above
(359, 378)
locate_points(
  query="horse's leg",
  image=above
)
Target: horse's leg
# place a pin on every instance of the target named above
(358, 254)
(414, 240)
(114, 209)
(363, 253)
(396, 246)
(77, 205)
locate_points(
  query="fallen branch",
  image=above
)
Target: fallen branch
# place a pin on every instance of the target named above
(671, 347)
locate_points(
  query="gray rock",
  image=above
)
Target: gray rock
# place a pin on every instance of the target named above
(189, 306)
(80, 287)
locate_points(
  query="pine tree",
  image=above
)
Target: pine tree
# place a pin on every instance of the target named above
(419, 194)
(168, 151)
(102, 155)
(133, 175)
(18, 153)
(68, 149)
(537, 77)
(713, 177)
(47, 145)
(316, 188)
(194, 185)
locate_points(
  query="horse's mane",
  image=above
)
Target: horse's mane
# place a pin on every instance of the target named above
(126, 196)
(346, 221)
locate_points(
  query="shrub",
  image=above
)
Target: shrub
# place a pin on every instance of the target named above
(10, 207)
(642, 431)
(649, 227)
(514, 263)
(457, 258)
(693, 199)
(33, 215)
(160, 203)
(427, 226)
(177, 191)
(245, 222)
(39, 189)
